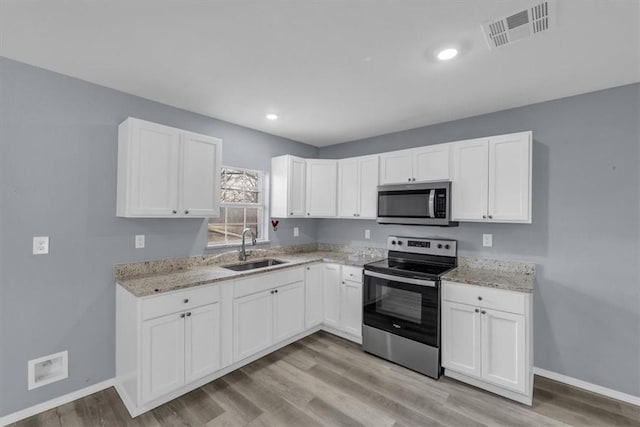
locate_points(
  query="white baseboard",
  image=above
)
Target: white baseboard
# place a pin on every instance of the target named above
(629, 398)
(53, 403)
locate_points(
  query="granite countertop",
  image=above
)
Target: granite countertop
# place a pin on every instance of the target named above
(506, 275)
(157, 282)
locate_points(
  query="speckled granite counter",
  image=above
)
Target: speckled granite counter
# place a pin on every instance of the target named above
(507, 275)
(155, 277)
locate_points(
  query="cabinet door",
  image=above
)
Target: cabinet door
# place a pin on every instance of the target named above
(322, 178)
(313, 295)
(396, 167)
(288, 312)
(252, 324)
(162, 355)
(470, 180)
(510, 178)
(351, 308)
(202, 341)
(153, 169)
(503, 349)
(348, 186)
(200, 176)
(331, 294)
(368, 179)
(297, 186)
(431, 163)
(461, 338)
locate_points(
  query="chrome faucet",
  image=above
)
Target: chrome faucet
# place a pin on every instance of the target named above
(243, 254)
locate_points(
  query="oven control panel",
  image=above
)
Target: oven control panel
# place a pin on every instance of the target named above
(419, 245)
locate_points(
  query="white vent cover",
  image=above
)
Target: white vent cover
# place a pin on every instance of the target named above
(522, 24)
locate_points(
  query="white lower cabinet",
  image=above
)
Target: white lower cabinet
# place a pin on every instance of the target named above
(252, 324)
(331, 295)
(164, 342)
(487, 339)
(313, 283)
(169, 344)
(267, 309)
(351, 301)
(162, 355)
(342, 299)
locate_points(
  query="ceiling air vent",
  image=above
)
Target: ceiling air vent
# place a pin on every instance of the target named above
(525, 23)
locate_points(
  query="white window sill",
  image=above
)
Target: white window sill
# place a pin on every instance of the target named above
(237, 245)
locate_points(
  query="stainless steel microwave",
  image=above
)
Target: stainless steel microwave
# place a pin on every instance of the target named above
(416, 204)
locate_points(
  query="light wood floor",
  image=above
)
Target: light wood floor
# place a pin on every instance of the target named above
(323, 380)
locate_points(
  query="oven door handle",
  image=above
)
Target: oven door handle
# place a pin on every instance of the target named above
(400, 279)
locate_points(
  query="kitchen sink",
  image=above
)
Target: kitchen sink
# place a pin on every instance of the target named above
(253, 265)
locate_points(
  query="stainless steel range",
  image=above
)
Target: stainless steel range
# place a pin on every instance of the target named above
(401, 302)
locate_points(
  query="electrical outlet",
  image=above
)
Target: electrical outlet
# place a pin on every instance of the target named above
(296, 231)
(140, 241)
(367, 234)
(41, 245)
(487, 240)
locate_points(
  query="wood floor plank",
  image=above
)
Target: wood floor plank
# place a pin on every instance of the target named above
(323, 380)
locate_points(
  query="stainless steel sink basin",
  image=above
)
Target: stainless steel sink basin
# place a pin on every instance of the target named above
(253, 265)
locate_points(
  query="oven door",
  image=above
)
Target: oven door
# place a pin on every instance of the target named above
(402, 306)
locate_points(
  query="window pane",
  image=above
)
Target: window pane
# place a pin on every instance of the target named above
(219, 220)
(252, 215)
(256, 230)
(235, 215)
(251, 197)
(234, 231)
(216, 233)
(229, 195)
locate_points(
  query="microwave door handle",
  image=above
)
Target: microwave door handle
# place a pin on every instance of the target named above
(432, 204)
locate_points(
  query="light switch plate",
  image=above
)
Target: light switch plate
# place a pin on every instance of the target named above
(367, 234)
(140, 241)
(296, 231)
(487, 240)
(41, 245)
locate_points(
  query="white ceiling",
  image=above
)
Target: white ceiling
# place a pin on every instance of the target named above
(333, 70)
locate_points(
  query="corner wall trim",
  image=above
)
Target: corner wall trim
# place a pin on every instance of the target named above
(594, 388)
(53, 403)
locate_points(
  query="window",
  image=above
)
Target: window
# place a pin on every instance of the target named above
(241, 206)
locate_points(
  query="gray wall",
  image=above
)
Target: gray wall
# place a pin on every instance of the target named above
(584, 237)
(58, 142)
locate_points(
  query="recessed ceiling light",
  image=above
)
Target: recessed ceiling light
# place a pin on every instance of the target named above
(446, 54)
(272, 116)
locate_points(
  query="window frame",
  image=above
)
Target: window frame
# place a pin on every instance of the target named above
(262, 204)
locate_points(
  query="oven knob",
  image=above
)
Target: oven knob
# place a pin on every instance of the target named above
(439, 245)
(393, 242)
(446, 246)
(399, 242)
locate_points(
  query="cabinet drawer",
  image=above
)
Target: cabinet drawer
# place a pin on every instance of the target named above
(262, 282)
(480, 296)
(353, 274)
(177, 301)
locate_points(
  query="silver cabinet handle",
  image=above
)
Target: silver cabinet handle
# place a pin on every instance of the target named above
(186, 300)
(290, 213)
(188, 314)
(484, 216)
(174, 211)
(490, 216)
(477, 311)
(186, 212)
(479, 298)
(409, 179)
(182, 316)
(483, 312)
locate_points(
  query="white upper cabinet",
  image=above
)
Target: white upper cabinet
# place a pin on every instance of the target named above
(166, 172)
(357, 187)
(396, 167)
(510, 178)
(492, 179)
(469, 187)
(429, 163)
(321, 187)
(288, 187)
